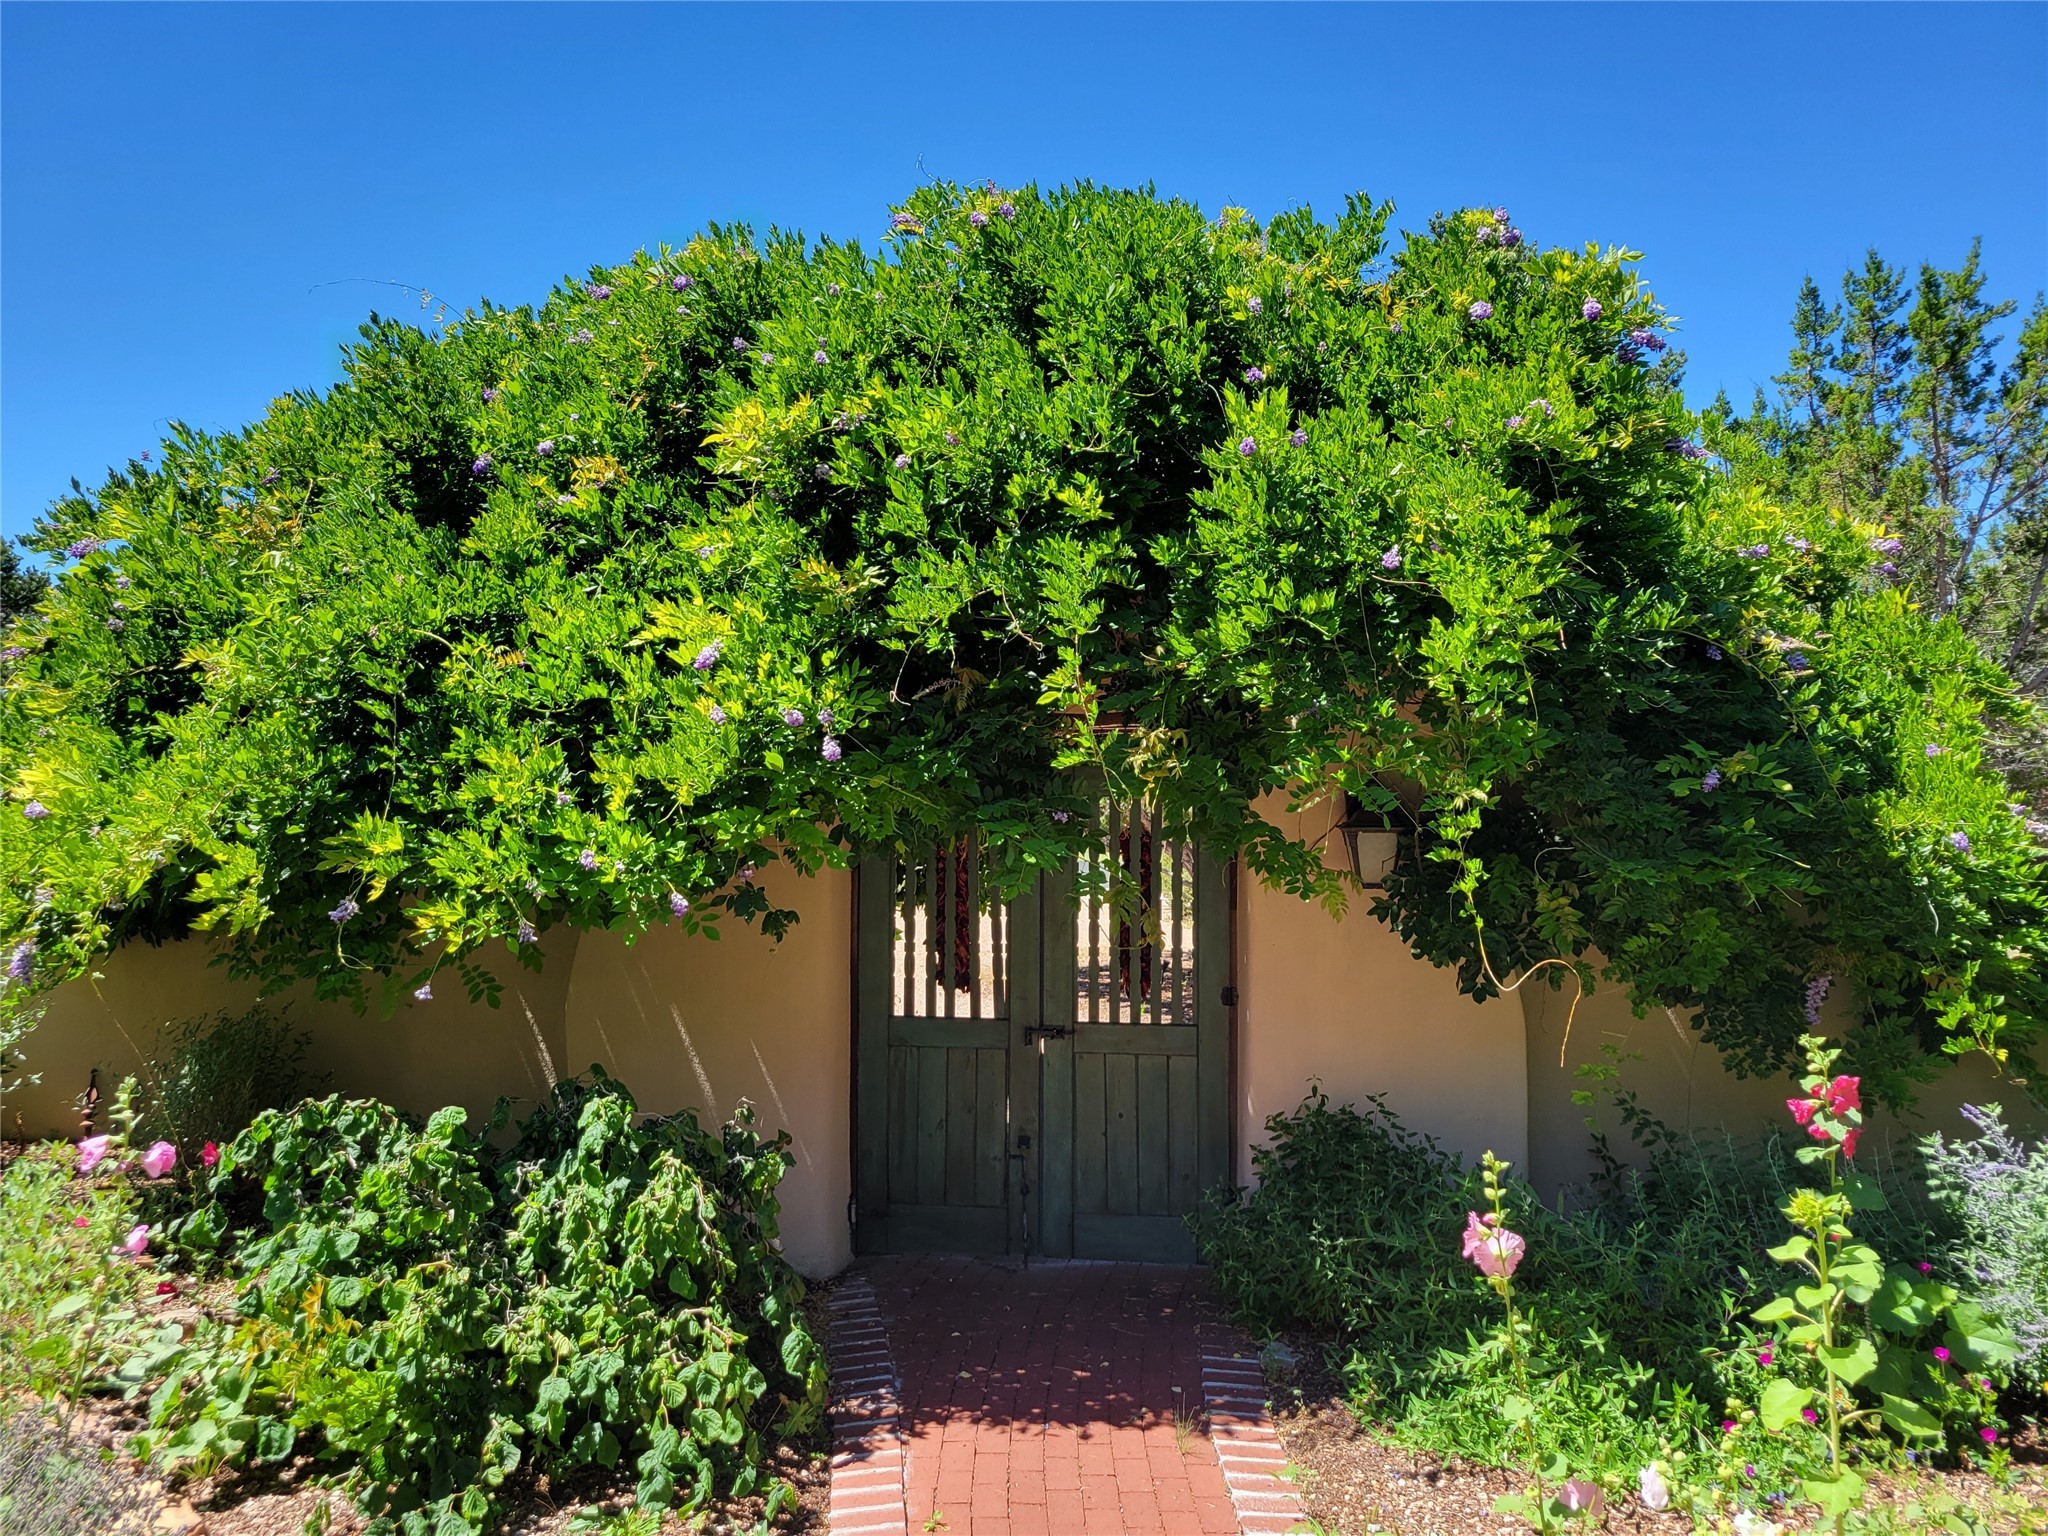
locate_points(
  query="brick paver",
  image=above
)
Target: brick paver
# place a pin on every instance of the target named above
(1064, 1399)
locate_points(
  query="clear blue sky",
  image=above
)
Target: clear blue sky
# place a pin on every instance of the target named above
(189, 194)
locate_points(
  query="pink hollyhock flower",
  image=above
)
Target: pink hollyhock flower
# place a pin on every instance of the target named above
(136, 1243)
(1819, 1133)
(92, 1151)
(1926, 1268)
(1496, 1250)
(1810, 1415)
(209, 1155)
(167, 1287)
(1990, 1435)
(1763, 1357)
(1727, 1426)
(159, 1159)
(1849, 1139)
(1941, 1353)
(80, 1221)
(1802, 1110)
(1844, 1094)
(1579, 1494)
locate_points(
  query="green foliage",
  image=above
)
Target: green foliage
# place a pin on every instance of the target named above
(434, 1315)
(209, 1078)
(1995, 1190)
(540, 619)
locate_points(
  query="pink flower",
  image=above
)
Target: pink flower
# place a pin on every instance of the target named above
(1849, 1139)
(1496, 1250)
(136, 1243)
(1810, 1415)
(1763, 1357)
(1819, 1133)
(1802, 1110)
(209, 1155)
(1941, 1353)
(80, 1221)
(1578, 1494)
(91, 1151)
(1926, 1268)
(1727, 1426)
(159, 1159)
(167, 1287)
(1990, 1435)
(1844, 1094)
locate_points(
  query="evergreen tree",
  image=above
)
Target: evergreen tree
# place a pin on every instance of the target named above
(21, 586)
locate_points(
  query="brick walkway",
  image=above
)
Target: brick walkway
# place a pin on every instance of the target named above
(1067, 1399)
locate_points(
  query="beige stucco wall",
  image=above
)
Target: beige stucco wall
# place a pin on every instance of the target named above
(695, 1023)
(1341, 1001)
(1681, 1081)
(421, 1057)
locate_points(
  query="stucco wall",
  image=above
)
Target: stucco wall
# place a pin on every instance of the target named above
(1343, 1002)
(1681, 1081)
(421, 1057)
(693, 1023)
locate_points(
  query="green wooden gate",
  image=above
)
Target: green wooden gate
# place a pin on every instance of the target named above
(1049, 1075)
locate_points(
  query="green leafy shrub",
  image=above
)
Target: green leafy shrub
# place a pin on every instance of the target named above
(52, 1486)
(1995, 1188)
(756, 548)
(433, 1314)
(210, 1077)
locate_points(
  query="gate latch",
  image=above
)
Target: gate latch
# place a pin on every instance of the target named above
(1047, 1031)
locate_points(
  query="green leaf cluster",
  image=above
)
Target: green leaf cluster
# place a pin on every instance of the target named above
(762, 548)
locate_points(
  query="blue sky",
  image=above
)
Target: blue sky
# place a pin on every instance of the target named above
(192, 199)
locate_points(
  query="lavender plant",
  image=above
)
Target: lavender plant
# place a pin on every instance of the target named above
(1995, 1187)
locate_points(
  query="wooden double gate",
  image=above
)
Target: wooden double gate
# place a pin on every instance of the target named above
(1046, 1076)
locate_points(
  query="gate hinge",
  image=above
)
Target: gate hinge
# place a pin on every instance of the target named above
(1230, 997)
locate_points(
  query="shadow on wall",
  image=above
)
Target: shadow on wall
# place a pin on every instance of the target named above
(421, 1057)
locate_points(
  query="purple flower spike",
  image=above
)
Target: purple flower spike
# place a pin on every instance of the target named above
(1754, 551)
(544, 447)
(1255, 375)
(1485, 236)
(1500, 215)
(1796, 660)
(490, 394)
(1255, 304)
(1248, 447)
(1513, 422)
(85, 547)
(830, 749)
(1885, 568)
(678, 903)
(903, 461)
(528, 934)
(1481, 311)
(35, 810)
(821, 471)
(1511, 238)
(1008, 210)
(271, 478)
(718, 716)
(708, 657)
(1887, 546)
(792, 717)
(13, 652)
(344, 912)
(1936, 749)
(1539, 403)
(831, 290)
(739, 344)
(903, 221)
(952, 440)
(1391, 560)
(1591, 309)
(978, 219)
(1648, 340)
(1711, 780)
(1715, 653)
(820, 358)
(600, 292)
(681, 281)
(826, 718)
(587, 858)
(424, 993)
(482, 466)
(1298, 437)
(22, 961)
(1960, 841)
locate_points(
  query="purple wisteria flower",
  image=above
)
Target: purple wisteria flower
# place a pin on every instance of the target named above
(84, 547)
(1511, 237)
(117, 625)
(1500, 215)
(1754, 551)
(1715, 653)
(22, 961)
(582, 337)
(952, 440)
(1543, 405)
(35, 810)
(681, 281)
(1816, 994)
(678, 903)
(482, 466)
(978, 219)
(821, 471)
(1255, 304)
(1391, 560)
(718, 716)
(528, 934)
(1887, 546)
(900, 221)
(544, 447)
(1485, 235)
(705, 551)
(1512, 422)
(1591, 309)
(13, 652)
(1062, 817)
(121, 583)
(600, 292)
(826, 718)
(1710, 781)
(562, 797)
(829, 749)
(820, 358)
(1960, 841)
(1481, 310)
(1008, 211)
(587, 858)
(1796, 660)
(270, 479)
(424, 992)
(739, 344)
(767, 357)
(708, 657)
(1686, 448)
(490, 394)
(1248, 446)
(1936, 749)
(792, 717)
(1648, 340)
(1298, 437)
(831, 290)
(903, 461)
(1885, 568)
(1798, 545)
(343, 912)
(1255, 375)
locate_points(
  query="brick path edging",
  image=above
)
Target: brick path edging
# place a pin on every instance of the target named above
(867, 1427)
(1247, 1445)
